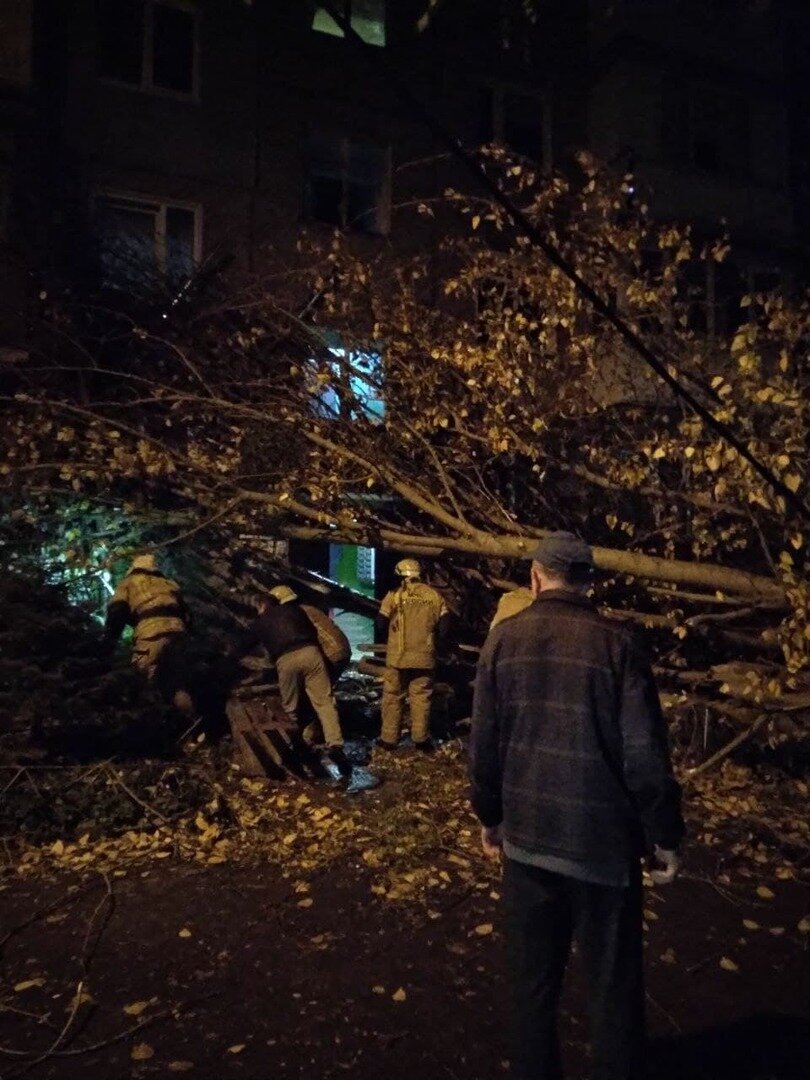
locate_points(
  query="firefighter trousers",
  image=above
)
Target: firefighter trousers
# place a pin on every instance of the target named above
(417, 685)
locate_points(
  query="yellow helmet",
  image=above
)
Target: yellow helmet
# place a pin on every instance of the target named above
(147, 560)
(408, 568)
(284, 594)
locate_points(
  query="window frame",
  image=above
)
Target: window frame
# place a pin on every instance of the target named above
(147, 85)
(162, 205)
(383, 209)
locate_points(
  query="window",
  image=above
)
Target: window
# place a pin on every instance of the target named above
(518, 119)
(149, 44)
(354, 387)
(706, 128)
(144, 245)
(367, 18)
(347, 183)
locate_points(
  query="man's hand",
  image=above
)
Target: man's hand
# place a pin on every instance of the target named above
(491, 841)
(664, 866)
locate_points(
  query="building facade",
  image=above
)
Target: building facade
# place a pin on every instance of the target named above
(146, 137)
(144, 142)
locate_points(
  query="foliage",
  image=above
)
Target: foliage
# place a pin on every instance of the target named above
(60, 687)
(508, 407)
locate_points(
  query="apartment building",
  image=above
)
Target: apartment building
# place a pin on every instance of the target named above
(140, 139)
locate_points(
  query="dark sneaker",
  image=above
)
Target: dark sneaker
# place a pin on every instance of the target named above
(362, 780)
(381, 744)
(425, 746)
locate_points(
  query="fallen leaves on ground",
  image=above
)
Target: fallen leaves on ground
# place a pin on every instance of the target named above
(141, 1052)
(415, 836)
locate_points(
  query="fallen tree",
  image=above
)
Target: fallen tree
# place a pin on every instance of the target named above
(457, 402)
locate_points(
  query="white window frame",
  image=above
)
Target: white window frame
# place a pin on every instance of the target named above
(161, 205)
(384, 207)
(147, 84)
(499, 90)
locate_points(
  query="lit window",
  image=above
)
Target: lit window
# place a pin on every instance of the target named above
(347, 183)
(367, 18)
(144, 246)
(149, 44)
(353, 390)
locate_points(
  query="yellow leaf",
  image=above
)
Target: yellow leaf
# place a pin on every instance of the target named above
(792, 481)
(764, 893)
(749, 924)
(378, 989)
(484, 929)
(184, 933)
(141, 1052)
(804, 925)
(399, 995)
(306, 902)
(237, 1048)
(58, 847)
(476, 221)
(180, 1066)
(136, 1008)
(728, 965)
(84, 997)
(28, 984)
(668, 956)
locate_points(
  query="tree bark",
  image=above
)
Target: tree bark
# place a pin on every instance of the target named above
(755, 588)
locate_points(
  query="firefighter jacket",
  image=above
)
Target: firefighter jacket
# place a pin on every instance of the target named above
(334, 644)
(511, 603)
(149, 602)
(414, 612)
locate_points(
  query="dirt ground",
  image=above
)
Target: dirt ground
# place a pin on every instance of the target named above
(230, 970)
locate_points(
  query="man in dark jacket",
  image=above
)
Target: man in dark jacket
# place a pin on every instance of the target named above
(291, 642)
(571, 780)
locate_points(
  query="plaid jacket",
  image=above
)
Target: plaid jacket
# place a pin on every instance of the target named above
(568, 749)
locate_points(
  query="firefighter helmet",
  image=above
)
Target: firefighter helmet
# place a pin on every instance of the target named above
(408, 568)
(147, 560)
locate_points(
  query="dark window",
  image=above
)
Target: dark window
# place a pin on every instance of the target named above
(173, 48)
(706, 128)
(144, 246)
(516, 119)
(150, 44)
(347, 183)
(121, 40)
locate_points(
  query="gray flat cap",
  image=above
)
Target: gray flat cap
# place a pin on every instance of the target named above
(559, 551)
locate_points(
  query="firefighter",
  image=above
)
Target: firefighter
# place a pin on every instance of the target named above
(153, 605)
(415, 617)
(334, 644)
(511, 603)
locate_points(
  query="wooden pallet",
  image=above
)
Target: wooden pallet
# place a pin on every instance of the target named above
(267, 742)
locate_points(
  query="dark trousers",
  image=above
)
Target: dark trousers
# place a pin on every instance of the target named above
(545, 912)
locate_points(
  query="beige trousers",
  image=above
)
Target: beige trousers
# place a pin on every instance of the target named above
(305, 669)
(417, 685)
